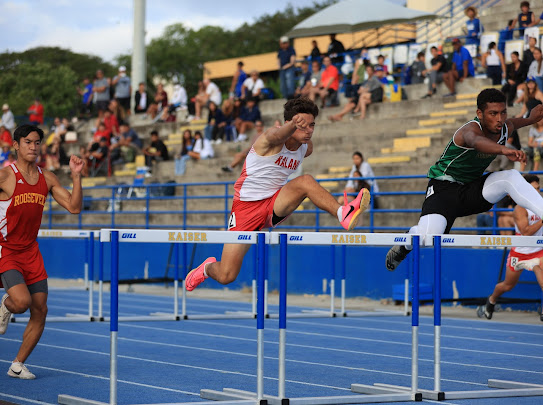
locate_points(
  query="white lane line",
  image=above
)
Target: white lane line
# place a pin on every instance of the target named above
(24, 399)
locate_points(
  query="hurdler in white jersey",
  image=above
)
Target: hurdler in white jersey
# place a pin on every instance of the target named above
(264, 199)
(527, 223)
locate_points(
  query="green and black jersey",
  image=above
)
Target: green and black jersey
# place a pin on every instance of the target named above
(461, 164)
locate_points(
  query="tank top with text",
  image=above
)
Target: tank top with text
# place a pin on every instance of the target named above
(20, 215)
(532, 219)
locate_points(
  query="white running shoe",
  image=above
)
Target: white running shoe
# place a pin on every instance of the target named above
(5, 315)
(527, 264)
(19, 370)
(242, 137)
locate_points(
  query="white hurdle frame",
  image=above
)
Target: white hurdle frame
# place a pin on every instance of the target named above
(376, 394)
(506, 389)
(88, 273)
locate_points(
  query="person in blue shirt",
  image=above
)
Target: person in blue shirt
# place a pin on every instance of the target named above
(237, 81)
(86, 96)
(461, 68)
(286, 58)
(249, 115)
(473, 26)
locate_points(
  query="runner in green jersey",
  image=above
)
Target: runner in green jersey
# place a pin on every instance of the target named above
(458, 186)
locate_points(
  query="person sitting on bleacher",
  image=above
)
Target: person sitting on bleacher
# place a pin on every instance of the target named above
(157, 151)
(249, 115)
(418, 69)
(329, 84)
(304, 81)
(535, 70)
(437, 72)
(516, 73)
(359, 75)
(370, 92)
(525, 19)
(532, 96)
(97, 153)
(202, 148)
(252, 87)
(216, 124)
(381, 63)
(461, 68)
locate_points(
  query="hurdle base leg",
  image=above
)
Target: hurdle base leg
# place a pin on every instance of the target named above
(419, 395)
(230, 394)
(382, 389)
(71, 400)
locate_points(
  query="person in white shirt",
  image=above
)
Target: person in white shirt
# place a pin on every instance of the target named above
(212, 93)
(202, 148)
(253, 85)
(179, 97)
(8, 120)
(359, 165)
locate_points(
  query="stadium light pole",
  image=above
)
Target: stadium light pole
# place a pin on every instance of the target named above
(139, 59)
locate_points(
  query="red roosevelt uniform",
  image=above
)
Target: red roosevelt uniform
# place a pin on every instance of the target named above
(20, 220)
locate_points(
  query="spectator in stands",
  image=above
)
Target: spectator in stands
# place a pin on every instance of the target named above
(10, 159)
(240, 156)
(35, 112)
(418, 69)
(117, 110)
(179, 98)
(315, 73)
(528, 56)
(97, 154)
(535, 70)
(187, 144)
(534, 150)
(364, 168)
(515, 75)
(141, 99)
(461, 68)
(202, 148)
(315, 52)
(358, 77)
(216, 124)
(161, 102)
(494, 62)
(252, 87)
(130, 137)
(53, 156)
(157, 151)
(111, 123)
(336, 50)
(437, 72)
(123, 89)
(83, 155)
(101, 132)
(286, 58)
(237, 81)
(5, 137)
(58, 128)
(329, 84)
(474, 28)
(505, 218)
(532, 96)
(304, 81)
(100, 90)
(381, 63)
(4, 154)
(86, 98)
(250, 114)
(212, 93)
(8, 120)
(525, 19)
(370, 92)
(125, 147)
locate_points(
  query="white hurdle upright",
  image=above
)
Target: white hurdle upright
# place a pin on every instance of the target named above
(376, 394)
(89, 236)
(507, 388)
(115, 237)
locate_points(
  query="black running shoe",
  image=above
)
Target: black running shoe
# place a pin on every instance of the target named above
(486, 310)
(395, 256)
(541, 317)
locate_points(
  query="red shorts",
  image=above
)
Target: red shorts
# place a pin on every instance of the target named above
(29, 262)
(253, 215)
(515, 257)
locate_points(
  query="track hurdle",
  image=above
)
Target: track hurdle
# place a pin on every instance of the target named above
(506, 389)
(89, 237)
(376, 394)
(115, 237)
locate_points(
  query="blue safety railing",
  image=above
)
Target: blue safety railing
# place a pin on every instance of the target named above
(218, 218)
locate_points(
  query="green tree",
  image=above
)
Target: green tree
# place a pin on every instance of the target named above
(54, 85)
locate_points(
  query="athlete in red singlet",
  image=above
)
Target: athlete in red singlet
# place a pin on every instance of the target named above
(264, 199)
(23, 193)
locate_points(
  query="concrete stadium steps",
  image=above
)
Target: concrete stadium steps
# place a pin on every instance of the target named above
(447, 113)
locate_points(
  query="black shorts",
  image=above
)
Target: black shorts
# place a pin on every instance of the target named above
(124, 102)
(454, 200)
(102, 105)
(11, 278)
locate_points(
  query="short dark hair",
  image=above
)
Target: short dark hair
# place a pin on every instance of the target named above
(492, 45)
(22, 131)
(530, 178)
(420, 54)
(515, 53)
(524, 4)
(125, 123)
(489, 96)
(433, 47)
(154, 132)
(380, 56)
(301, 105)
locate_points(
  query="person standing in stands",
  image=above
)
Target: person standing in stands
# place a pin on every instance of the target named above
(286, 58)
(474, 27)
(237, 81)
(24, 188)
(336, 50)
(525, 19)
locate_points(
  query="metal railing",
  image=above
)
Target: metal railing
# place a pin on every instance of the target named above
(185, 217)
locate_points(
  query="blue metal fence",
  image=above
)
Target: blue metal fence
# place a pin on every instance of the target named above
(117, 195)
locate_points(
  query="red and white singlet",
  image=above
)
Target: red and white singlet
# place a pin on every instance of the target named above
(532, 219)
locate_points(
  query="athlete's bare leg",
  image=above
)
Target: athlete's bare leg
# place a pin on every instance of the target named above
(229, 267)
(510, 281)
(18, 302)
(297, 190)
